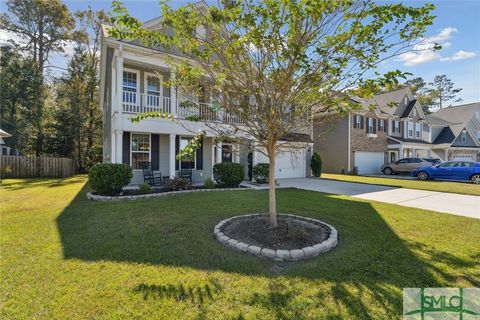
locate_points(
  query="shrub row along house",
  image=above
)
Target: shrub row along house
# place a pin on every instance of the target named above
(134, 80)
(392, 126)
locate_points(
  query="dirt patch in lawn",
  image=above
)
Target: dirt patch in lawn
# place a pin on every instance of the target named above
(290, 234)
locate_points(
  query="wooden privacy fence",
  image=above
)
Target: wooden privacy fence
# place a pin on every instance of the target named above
(37, 167)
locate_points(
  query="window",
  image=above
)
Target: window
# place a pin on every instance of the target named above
(410, 128)
(154, 89)
(129, 87)
(381, 125)
(415, 160)
(464, 135)
(478, 134)
(357, 122)
(153, 85)
(396, 126)
(187, 163)
(140, 149)
(370, 125)
(402, 161)
(418, 130)
(446, 165)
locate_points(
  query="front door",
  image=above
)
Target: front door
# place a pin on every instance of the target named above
(392, 156)
(227, 153)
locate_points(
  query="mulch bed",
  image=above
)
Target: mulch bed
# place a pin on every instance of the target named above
(136, 192)
(290, 233)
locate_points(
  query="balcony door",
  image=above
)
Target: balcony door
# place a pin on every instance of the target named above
(153, 92)
(130, 92)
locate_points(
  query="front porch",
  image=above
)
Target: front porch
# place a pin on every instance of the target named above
(160, 150)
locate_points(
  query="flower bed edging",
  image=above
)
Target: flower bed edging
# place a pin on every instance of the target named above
(97, 197)
(280, 254)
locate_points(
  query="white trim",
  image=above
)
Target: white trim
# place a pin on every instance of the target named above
(149, 147)
(145, 82)
(137, 72)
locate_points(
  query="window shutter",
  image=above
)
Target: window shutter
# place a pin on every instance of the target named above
(361, 122)
(385, 126)
(355, 121)
(155, 149)
(177, 150)
(125, 148)
(374, 125)
(366, 123)
(200, 157)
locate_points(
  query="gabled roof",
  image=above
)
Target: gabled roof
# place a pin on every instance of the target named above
(434, 121)
(445, 136)
(389, 102)
(457, 114)
(408, 109)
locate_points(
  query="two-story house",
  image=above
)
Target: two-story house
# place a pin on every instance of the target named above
(133, 80)
(391, 126)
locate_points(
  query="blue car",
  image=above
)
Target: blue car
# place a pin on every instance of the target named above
(452, 170)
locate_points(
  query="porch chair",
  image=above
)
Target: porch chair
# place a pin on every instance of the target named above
(185, 174)
(153, 179)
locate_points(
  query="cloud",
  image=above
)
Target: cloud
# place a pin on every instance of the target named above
(415, 58)
(460, 55)
(423, 50)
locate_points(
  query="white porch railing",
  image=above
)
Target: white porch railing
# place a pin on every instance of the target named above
(134, 102)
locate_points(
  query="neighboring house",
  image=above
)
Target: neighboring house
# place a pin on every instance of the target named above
(391, 126)
(457, 132)
(133, 80)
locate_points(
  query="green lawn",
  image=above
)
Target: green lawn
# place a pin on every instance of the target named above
(432, 185)
(64, 257)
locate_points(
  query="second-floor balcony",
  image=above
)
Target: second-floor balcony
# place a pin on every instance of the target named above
(133, 102)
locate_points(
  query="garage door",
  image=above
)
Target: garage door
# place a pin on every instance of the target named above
(289, 163)
(467, 157)
(369, 162)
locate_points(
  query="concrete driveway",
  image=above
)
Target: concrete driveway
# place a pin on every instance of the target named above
(457, 204)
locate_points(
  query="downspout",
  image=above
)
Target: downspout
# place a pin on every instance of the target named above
(349, 142)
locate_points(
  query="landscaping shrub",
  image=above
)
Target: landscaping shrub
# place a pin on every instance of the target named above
(228, 174)
(209, 184)
(260, 172)
(316, 165)
(109, 178)
(178, 184)
(145, 188)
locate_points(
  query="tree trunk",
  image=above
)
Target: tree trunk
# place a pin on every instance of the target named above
(271, 187)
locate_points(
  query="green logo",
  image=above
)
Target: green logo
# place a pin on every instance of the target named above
(441, 303)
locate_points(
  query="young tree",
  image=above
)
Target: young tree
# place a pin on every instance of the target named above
(276, 65)
(443, 91)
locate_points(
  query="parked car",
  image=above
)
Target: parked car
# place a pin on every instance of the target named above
(407, 165)
(452, 170)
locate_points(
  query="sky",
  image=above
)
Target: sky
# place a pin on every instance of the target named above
(456, 28)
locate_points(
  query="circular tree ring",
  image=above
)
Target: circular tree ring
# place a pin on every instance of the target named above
(278, 254)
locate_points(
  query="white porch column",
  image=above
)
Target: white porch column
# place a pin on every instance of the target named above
(112, 148)
(446, 154)
(414, 152)
(173, 95)
(219, 152)
(171, 155)
(118, 146)
(400, 151)
(119, 81)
